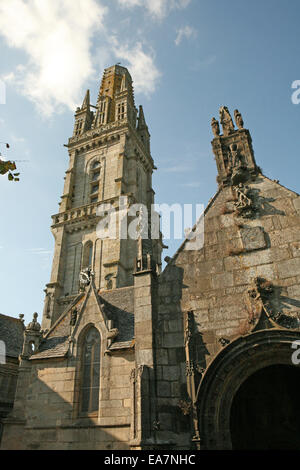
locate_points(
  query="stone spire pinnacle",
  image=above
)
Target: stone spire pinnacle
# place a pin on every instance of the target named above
(226, 120)
(141, 125)
(86, 101)
(233, 149)
(142, 129)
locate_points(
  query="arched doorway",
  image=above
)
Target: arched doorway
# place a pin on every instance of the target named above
(260, 366)
(265, 412)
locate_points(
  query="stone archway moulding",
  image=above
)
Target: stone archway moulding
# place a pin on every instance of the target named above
(231, 367)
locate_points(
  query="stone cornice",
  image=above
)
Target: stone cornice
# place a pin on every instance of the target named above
(107, 135)
(83, 139)
(79, 217)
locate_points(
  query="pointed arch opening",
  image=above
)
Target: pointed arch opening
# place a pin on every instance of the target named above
(87, 258)
(90, 372)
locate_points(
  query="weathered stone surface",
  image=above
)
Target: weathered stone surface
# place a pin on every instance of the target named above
(160, 334)
(289, 268)
(253, 238)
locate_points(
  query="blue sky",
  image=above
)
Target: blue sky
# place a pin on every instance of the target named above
(186, 57)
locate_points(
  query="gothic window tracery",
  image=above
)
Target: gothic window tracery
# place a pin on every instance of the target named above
(78, 127)
(90, 371)
(102, 109)
(87, 258)
(121, 111)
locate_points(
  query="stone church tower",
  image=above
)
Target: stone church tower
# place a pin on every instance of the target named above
(111, 167)
(204, 355)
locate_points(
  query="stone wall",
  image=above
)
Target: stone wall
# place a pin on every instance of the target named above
(46, 412)
(213, 283)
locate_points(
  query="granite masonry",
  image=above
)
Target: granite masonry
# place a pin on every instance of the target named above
(200, 356)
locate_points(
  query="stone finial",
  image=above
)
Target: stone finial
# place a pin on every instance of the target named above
(233, 150)
(141, 122)
(32, 338)
(34, 325)
(238, 119)
(215, 127)
(21, 317)
(226, 121)
(86, 101)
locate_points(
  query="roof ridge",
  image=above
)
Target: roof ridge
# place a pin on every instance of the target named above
(11, 318)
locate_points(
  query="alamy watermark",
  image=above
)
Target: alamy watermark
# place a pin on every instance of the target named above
(296, 354)
(296, 94)
(2, 352)
(134, 221)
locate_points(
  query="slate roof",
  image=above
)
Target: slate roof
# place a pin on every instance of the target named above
(11, 332)
(56, 344)
(118, 306)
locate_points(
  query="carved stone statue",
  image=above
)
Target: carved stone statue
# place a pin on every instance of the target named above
(33, 336)
(245, 205)
(238, 119)
(226, 121)
(215, 127)
(244, 200)
(34, 325)
(234, 157)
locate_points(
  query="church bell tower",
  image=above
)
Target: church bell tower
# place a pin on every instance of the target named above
(110, 166)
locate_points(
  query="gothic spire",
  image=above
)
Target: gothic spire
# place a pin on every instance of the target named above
(86, 101)
(141, 125)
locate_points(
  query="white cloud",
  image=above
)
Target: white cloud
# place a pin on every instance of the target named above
(141, 65)
(56, 35)
(185, 32)
(39, 251)
(157, 8)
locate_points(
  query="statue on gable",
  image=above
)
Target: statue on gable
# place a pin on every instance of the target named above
(245, 205)
(236, 167)
(215, 127)
(243, 193)
(226, 121)
(34, 325)
(234, 157)
(238, 119)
